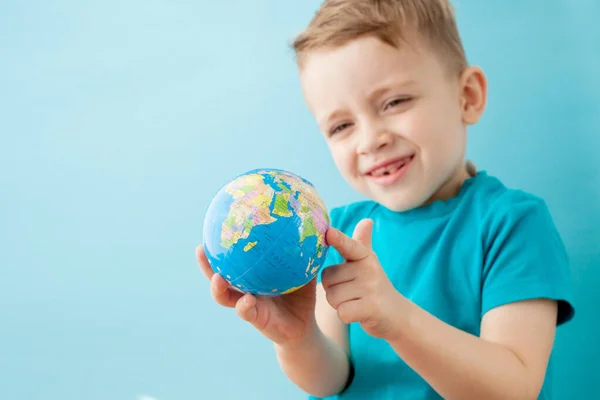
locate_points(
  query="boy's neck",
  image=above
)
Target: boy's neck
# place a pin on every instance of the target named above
(453, 185)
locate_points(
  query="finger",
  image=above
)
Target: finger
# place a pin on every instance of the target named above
(338, 274)
(346, 292)
(363, 232)
(350, 249)
(222, 293)
(350, 311)
(203, 262)
(246, 308)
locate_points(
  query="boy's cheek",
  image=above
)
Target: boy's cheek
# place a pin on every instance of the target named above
(343, 161)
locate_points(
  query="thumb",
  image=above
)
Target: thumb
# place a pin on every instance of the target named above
(247, 308)
(363, 233)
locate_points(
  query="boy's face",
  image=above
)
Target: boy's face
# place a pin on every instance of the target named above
(394, 119)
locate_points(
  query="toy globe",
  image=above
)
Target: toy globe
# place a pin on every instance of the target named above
(264, 232)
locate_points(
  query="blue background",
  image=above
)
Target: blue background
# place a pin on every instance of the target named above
(119, 120)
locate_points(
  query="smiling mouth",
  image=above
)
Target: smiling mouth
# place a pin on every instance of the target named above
(390, 168)
(390, 173)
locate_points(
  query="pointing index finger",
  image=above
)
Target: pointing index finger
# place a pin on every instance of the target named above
(350, 249)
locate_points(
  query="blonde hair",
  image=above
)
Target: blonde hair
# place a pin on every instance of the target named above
(339, 21)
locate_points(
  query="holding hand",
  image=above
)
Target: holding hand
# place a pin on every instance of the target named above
(286, 319)
(359, 288)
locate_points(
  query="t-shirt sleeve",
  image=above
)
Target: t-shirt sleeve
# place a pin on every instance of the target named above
(333, 257)
(526, 259)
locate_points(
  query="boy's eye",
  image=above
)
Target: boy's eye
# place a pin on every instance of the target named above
(396, 102)
(339, 128)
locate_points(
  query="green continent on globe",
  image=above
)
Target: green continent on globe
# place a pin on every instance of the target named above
(282, 202)
(251, 208)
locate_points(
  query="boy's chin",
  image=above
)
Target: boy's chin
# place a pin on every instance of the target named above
(399, 202)
(400, 206)
(396, 200)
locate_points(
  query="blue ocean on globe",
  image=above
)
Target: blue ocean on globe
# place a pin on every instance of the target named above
(264, 232)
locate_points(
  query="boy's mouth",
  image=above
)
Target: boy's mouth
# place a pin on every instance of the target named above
(389, 167)
(389, 172)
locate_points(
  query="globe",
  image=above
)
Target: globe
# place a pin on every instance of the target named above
(264, 232)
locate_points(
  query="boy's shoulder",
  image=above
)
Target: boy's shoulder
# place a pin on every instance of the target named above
(496, 203)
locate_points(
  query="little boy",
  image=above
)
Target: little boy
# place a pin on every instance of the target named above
(445, 284)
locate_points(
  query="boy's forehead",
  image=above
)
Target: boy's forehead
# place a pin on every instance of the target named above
(361, 65)
(361, 51)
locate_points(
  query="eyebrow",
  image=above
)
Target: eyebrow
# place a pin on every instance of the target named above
(389, 86)
(324, 121)
(372, 95)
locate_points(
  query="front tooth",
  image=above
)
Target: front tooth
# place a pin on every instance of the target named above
(378, 172)
(397, 167)
(388, 169)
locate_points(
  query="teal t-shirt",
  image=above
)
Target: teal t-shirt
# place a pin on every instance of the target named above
(457, 259)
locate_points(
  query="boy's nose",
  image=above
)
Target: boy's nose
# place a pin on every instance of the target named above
(372, 139)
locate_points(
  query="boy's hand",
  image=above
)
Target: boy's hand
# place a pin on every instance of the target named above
(287, 319)
(359, 289)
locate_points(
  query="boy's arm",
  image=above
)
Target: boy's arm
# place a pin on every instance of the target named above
(319, 365)
(507, 361)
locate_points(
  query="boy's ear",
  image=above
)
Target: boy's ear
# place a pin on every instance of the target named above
(473, 94)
